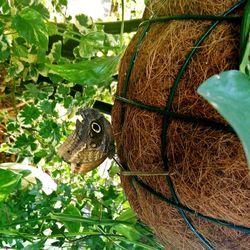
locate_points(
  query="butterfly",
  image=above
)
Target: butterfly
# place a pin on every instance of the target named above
(91, 142)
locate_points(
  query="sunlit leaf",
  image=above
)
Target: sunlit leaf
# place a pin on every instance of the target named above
(229, 93)
(95, 71)
(9, 182)
(128, 231)
(91, 43)
(128, 215)
(245, 29)
(30, 24)
(72, 226)
(245, 64)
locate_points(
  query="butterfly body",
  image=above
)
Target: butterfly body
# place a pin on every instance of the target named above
(91, 142)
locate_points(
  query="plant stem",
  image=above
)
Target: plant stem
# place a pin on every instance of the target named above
(122, 25)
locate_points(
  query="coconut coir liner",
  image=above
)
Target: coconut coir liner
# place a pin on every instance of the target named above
(207, 166)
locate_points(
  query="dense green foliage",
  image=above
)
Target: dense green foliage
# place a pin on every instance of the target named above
(45, 81)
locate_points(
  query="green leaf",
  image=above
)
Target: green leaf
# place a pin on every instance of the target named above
(245, 64)
(9, 182)
(29, 114)
(73, 227)
(4, 50)
(30, 24)
(229, 93)
(63, 90)
(42, 10)
(52, 28)
(128, 231)
(83, 20)
(48, 107)
(91, 221)
(24, 141)
(33, 92)
(128, 215)
(95, 71)
(67, 101)
(12, 126)
(245, 29)
(49, 128)
(4, 6)
(91, 43)
(19, 49)
(39, 155)
(56, 51)
(37, 245)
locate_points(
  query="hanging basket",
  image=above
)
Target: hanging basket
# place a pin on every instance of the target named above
(161, 125)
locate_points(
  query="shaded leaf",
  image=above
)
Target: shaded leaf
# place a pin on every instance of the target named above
(95, 71)
(229, 93)
(25, 141)
(67, 101)
(30, 113)
(49, 128)
(63, 90)
(48, 107)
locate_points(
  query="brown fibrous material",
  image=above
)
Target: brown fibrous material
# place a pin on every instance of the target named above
(207, 166)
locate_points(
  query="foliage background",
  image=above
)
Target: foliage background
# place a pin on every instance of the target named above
(48, 71)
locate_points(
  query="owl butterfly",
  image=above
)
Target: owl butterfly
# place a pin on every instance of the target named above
(90, 144)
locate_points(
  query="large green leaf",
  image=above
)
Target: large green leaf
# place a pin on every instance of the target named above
(95, 71)
(9, 182)
(30, 24)
(229, 93)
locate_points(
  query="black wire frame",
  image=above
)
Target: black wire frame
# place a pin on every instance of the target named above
(168, 115)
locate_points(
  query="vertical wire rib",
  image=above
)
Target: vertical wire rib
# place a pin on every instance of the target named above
(130, 68)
